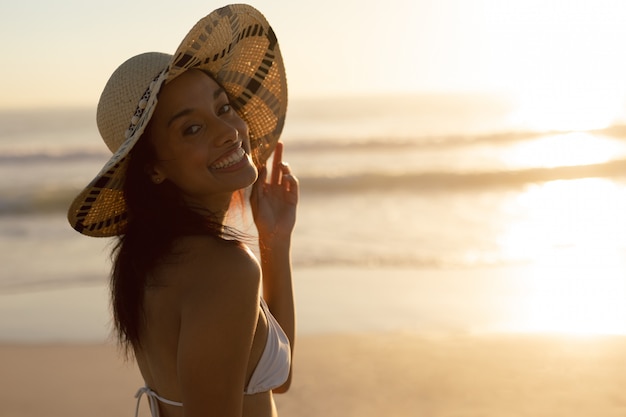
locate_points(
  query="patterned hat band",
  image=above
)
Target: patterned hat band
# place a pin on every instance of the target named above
(236, 45)
(143, 103)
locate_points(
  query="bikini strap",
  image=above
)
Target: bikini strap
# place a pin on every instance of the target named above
(153, 397)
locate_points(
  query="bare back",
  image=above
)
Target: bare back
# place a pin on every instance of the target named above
(210, 287)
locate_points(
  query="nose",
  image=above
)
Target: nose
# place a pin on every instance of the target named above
(224, 133)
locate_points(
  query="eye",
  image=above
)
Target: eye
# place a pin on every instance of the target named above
(193, 129)
(226, 108)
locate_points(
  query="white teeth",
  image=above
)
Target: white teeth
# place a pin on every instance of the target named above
(232, 159)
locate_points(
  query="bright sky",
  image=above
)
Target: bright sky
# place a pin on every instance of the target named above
(556, 54)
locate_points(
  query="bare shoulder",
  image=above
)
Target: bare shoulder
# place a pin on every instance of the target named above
(205, 263)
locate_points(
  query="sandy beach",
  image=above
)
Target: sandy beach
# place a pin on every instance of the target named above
(372, 342)
(356, 375)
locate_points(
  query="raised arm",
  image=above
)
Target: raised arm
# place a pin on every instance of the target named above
(274, 205)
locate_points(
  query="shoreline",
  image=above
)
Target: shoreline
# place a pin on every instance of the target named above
(350, 300)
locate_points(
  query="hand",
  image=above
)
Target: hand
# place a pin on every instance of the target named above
(274, 203)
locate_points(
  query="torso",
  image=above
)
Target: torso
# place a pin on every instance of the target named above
(157, 358)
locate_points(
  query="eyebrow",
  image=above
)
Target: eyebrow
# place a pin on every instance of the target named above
(181, 113)
(187, 111)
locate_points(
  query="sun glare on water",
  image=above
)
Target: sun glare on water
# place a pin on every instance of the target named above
(568, 108)
(572, 232)
(567, 149)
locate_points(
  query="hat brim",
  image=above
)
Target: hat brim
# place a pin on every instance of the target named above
(237, 46)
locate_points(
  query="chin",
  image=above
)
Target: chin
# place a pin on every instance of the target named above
(249, 175)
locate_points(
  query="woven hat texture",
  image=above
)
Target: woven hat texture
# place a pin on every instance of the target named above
(236, 45)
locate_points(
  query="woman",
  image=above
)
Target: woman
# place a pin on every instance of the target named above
(190, 300)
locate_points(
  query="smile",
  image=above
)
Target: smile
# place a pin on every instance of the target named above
(229, 160)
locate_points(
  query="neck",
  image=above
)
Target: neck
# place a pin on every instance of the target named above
(216, 208)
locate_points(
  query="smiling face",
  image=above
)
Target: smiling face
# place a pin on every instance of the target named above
(201, 144)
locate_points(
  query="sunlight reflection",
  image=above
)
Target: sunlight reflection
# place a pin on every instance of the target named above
(568, 106)
(568, 230)
(573, 292)
(577, 148)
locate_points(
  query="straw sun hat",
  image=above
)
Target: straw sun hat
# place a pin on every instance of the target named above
(236, 45)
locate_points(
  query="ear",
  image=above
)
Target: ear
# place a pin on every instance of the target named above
(155, 174)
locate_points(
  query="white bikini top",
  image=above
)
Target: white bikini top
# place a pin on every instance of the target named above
(271, 371)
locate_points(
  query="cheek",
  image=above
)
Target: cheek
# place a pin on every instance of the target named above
(165, 154)
(246, 145)
(244, 133)
(183, 164)
(239, 123)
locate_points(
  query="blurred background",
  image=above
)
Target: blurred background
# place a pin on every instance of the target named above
(467, 154)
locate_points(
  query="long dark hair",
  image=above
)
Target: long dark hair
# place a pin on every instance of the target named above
(157, 216)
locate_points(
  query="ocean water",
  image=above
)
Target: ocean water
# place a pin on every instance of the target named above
(428, 182)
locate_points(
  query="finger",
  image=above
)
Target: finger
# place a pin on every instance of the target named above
(285, 168)
(291, 180)
(291, 187)
(276, 163)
